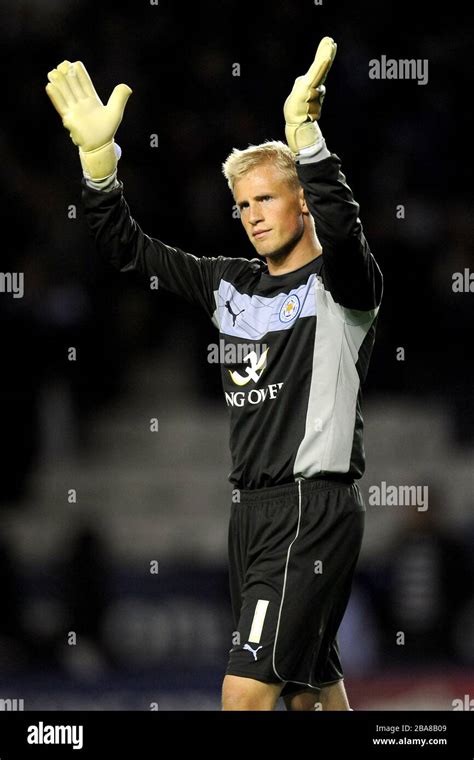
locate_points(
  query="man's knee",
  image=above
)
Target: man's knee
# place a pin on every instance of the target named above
(240, 693)
(304, 701)
(334, 697)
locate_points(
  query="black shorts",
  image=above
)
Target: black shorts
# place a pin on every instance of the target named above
(292, 554)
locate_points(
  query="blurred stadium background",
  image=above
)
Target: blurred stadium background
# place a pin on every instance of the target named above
(161, 638)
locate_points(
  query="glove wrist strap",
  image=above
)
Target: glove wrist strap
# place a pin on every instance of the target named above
(312, 150)
(100, 163)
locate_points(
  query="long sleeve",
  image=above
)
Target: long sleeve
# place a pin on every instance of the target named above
(350, 271)
(120, 240)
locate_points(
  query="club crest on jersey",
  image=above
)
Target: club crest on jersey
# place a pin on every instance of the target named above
(290, 308)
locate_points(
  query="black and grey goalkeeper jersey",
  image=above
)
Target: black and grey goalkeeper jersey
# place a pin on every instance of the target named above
(294, 348)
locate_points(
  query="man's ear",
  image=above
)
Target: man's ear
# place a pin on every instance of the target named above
(302, 200)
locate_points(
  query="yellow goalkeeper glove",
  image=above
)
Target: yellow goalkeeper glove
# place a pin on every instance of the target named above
(92, 125)
(303, 105)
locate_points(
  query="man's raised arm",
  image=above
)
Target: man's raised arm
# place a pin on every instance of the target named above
(119, 239)
(350, 271)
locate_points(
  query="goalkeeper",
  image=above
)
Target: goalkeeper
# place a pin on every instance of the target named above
(308, 302)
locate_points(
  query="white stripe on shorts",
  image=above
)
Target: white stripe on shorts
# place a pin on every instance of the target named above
(258, 620)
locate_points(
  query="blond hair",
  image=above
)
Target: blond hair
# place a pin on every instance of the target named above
(239, 162)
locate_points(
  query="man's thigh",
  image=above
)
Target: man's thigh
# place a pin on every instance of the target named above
(240, 693)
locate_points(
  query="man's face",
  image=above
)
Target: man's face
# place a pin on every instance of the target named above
(270, 210)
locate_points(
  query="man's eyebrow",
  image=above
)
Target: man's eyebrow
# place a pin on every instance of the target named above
(256, 198)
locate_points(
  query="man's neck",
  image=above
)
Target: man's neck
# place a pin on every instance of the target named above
(288, 262)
